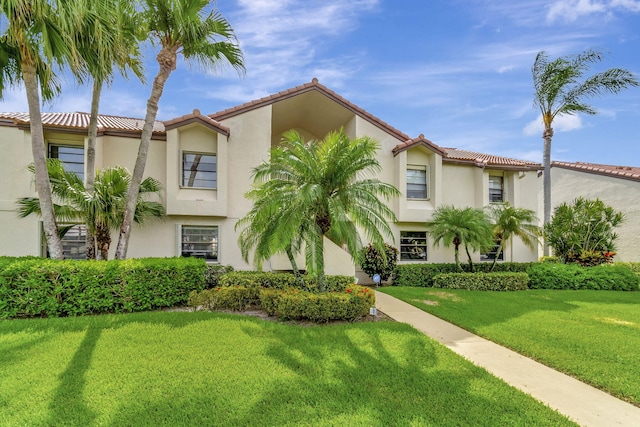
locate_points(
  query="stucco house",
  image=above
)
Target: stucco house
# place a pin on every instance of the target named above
(617, 186)
(220, 150)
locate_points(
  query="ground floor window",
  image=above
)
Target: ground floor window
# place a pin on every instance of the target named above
(74, 241)
(491, 254)
(413, 246)
(199, 241)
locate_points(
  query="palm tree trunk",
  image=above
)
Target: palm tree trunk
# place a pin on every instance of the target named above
(456, 251)
(466, 249)
(546, 178)
(90, 176)
(43, 186)
(294, 266)
(103, 237)
(167, 61)
(322, 286)
(495, 258)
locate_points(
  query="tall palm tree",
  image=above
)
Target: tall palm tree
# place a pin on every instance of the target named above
(178, 27)
(469, 227)
(106, 38)
(309, 191)
(38, 39)
(102, 209)
(561, 88)
(510, 221)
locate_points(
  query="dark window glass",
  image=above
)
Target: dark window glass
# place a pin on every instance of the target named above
(413, 245)
(496, 193)
(200, 242)
(491, 254)
(417, 184)
(199, 170)
(72, 158)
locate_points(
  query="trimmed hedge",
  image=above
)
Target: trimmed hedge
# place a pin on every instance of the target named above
(571, 276)
(214, 272)
(43, 287)
(422, 275)
(282, 281)
(482, 281)
(237, 298)
(295, 304)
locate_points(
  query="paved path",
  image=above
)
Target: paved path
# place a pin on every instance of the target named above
(580, 402)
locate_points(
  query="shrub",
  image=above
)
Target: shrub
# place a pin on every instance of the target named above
(423, 274)
(573, 276)
(351, 304)
(373, 262)
(42, 287)
(282, 281)
(549, 259)
(213, 273)
(482, 281)
(590, 258)
(634, 266)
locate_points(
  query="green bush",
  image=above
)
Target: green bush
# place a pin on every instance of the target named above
(634, 266)
(282, 281)
(482, 281)
(295, 304)
(421, 275)
(213, 273)
(372, 261)
(572, 276)
(42, 287)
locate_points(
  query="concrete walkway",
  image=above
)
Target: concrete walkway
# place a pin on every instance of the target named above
(580, 402)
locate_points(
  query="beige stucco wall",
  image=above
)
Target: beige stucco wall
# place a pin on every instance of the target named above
(621, 194)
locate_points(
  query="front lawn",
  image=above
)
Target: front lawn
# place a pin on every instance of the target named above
(591, 335)
(210, 369)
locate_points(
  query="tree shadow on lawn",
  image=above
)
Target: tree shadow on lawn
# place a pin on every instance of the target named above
(366, 374)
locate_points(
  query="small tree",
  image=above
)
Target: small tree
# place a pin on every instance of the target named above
(373, 261)
(510, 221)
(583, 230)
(469, 227)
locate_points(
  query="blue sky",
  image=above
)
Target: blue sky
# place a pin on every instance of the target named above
(457, 71)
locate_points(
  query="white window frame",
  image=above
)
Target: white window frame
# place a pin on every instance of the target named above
(186, 244)
(71, 249)
(490, 255)
(182, 171)
(410, 247)
(425, 170)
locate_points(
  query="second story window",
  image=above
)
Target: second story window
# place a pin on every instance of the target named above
(496, 189)
(199, 170)
(71, 156)
(417, 187)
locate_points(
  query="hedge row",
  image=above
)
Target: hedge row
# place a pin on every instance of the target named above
(570, 276)
(41, 287)
(482, 281)
(283, 281)
(422, 275)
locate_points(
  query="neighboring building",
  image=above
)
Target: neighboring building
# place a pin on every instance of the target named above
(205, 163)
(617, 186)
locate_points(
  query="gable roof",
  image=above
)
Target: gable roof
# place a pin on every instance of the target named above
(314, 85)
(624, 172)
(196, 117)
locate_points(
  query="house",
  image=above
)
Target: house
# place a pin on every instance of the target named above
(617, 186)
(205, 163)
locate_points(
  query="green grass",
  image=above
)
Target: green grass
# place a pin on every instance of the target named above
(215, 369)
(591, 335)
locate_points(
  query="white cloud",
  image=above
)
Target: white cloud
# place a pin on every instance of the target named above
(572, 10)
(562, 123)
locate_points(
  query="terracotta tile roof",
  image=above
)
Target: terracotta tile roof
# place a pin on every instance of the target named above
(624, 172)
(420, 140)
(313, 85)
(453, 155)
(80, 120)
(198, 117)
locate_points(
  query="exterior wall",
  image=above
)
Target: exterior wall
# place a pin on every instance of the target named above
(621, 194)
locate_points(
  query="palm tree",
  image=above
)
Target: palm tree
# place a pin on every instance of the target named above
(178, 27)
(101, 210)
(106, 37)
(469, 227)
(309, 191)
(510, 221)
(37, 39)
(560, 88)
